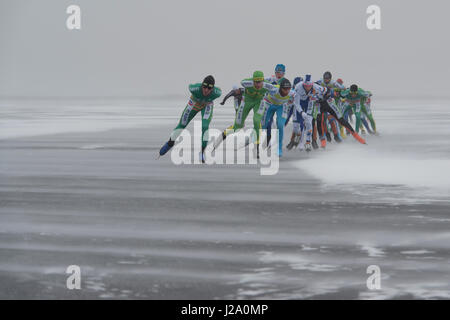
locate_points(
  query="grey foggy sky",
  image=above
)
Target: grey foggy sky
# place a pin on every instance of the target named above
(146, 48)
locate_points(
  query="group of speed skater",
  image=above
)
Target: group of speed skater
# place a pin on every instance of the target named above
(318, 108)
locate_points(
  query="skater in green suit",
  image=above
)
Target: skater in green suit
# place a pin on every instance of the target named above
(255, 89)
(355, 100)
(202, 97)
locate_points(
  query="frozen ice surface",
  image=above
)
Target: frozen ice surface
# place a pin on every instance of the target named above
(79, 184)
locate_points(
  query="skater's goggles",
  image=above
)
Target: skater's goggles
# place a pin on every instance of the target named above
(207, 85)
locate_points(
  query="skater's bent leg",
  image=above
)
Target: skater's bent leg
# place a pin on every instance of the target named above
(269, 112)
(188, 114)
(241, 116)
(257, 124)
(368, 114)
(315, 133)
(334, 125)
(280, 126)
(307, 120)
(207, 114)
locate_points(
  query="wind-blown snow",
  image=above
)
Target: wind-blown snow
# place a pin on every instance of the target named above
(353, 164)
(412, 150)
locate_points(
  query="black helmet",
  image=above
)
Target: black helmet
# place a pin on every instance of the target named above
(209, 81)
(353, 88)
(285, 83)
(327, 75)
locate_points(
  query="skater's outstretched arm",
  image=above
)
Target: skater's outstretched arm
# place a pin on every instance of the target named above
(232, 93)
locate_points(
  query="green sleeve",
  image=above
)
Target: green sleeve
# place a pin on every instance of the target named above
(344, 93)
(216, 93)
(363, 94)
(195, 88)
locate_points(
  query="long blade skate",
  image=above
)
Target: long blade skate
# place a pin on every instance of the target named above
(165, 148)
(358, 138)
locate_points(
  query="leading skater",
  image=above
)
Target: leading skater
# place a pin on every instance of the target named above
(202, 97)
